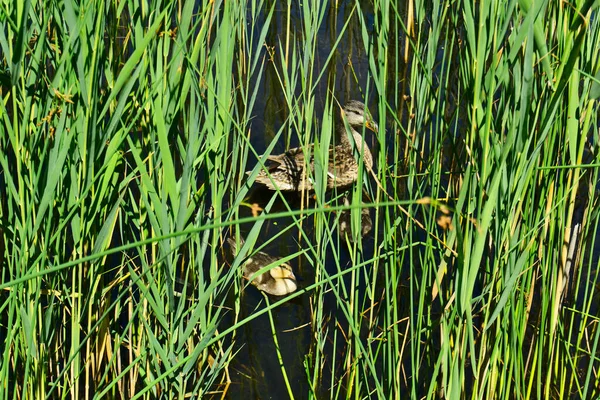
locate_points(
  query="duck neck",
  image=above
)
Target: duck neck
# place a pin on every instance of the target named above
(359, 144)
(345, 141)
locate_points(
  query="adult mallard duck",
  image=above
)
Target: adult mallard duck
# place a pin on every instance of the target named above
(278, 281)
(287, 171)
(345, 222)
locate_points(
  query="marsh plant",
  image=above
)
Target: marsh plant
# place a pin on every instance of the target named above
(126, 129)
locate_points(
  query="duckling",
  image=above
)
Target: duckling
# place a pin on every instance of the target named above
(286, 171)
(345, 222)
(278, 281)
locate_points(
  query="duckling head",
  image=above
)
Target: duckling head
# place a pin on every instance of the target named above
(283, 271)
(283, 282)
(366, 223)
(278, 281)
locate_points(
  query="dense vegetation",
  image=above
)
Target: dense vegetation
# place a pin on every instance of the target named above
(125, 131)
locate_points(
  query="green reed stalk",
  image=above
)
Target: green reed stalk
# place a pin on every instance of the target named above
(125, 132)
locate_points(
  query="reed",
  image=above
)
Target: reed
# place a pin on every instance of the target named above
(126, 131)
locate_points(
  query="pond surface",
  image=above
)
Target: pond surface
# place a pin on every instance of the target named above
(255, 371)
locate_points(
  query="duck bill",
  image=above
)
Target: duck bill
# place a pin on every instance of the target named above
(372, 125)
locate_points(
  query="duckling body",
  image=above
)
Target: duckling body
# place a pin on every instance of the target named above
(345, 223)
(287, 171)
(278, 281)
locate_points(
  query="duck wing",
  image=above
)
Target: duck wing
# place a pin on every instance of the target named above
(286, 171)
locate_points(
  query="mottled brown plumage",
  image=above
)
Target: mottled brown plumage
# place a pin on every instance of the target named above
(287, 171)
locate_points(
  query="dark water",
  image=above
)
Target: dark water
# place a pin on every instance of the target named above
(255, 371)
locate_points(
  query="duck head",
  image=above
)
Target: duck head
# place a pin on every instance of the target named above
(284, 281)
(357, 115)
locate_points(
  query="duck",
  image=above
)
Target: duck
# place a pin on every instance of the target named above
(345, 222)
(286, 171)
(278, 281)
